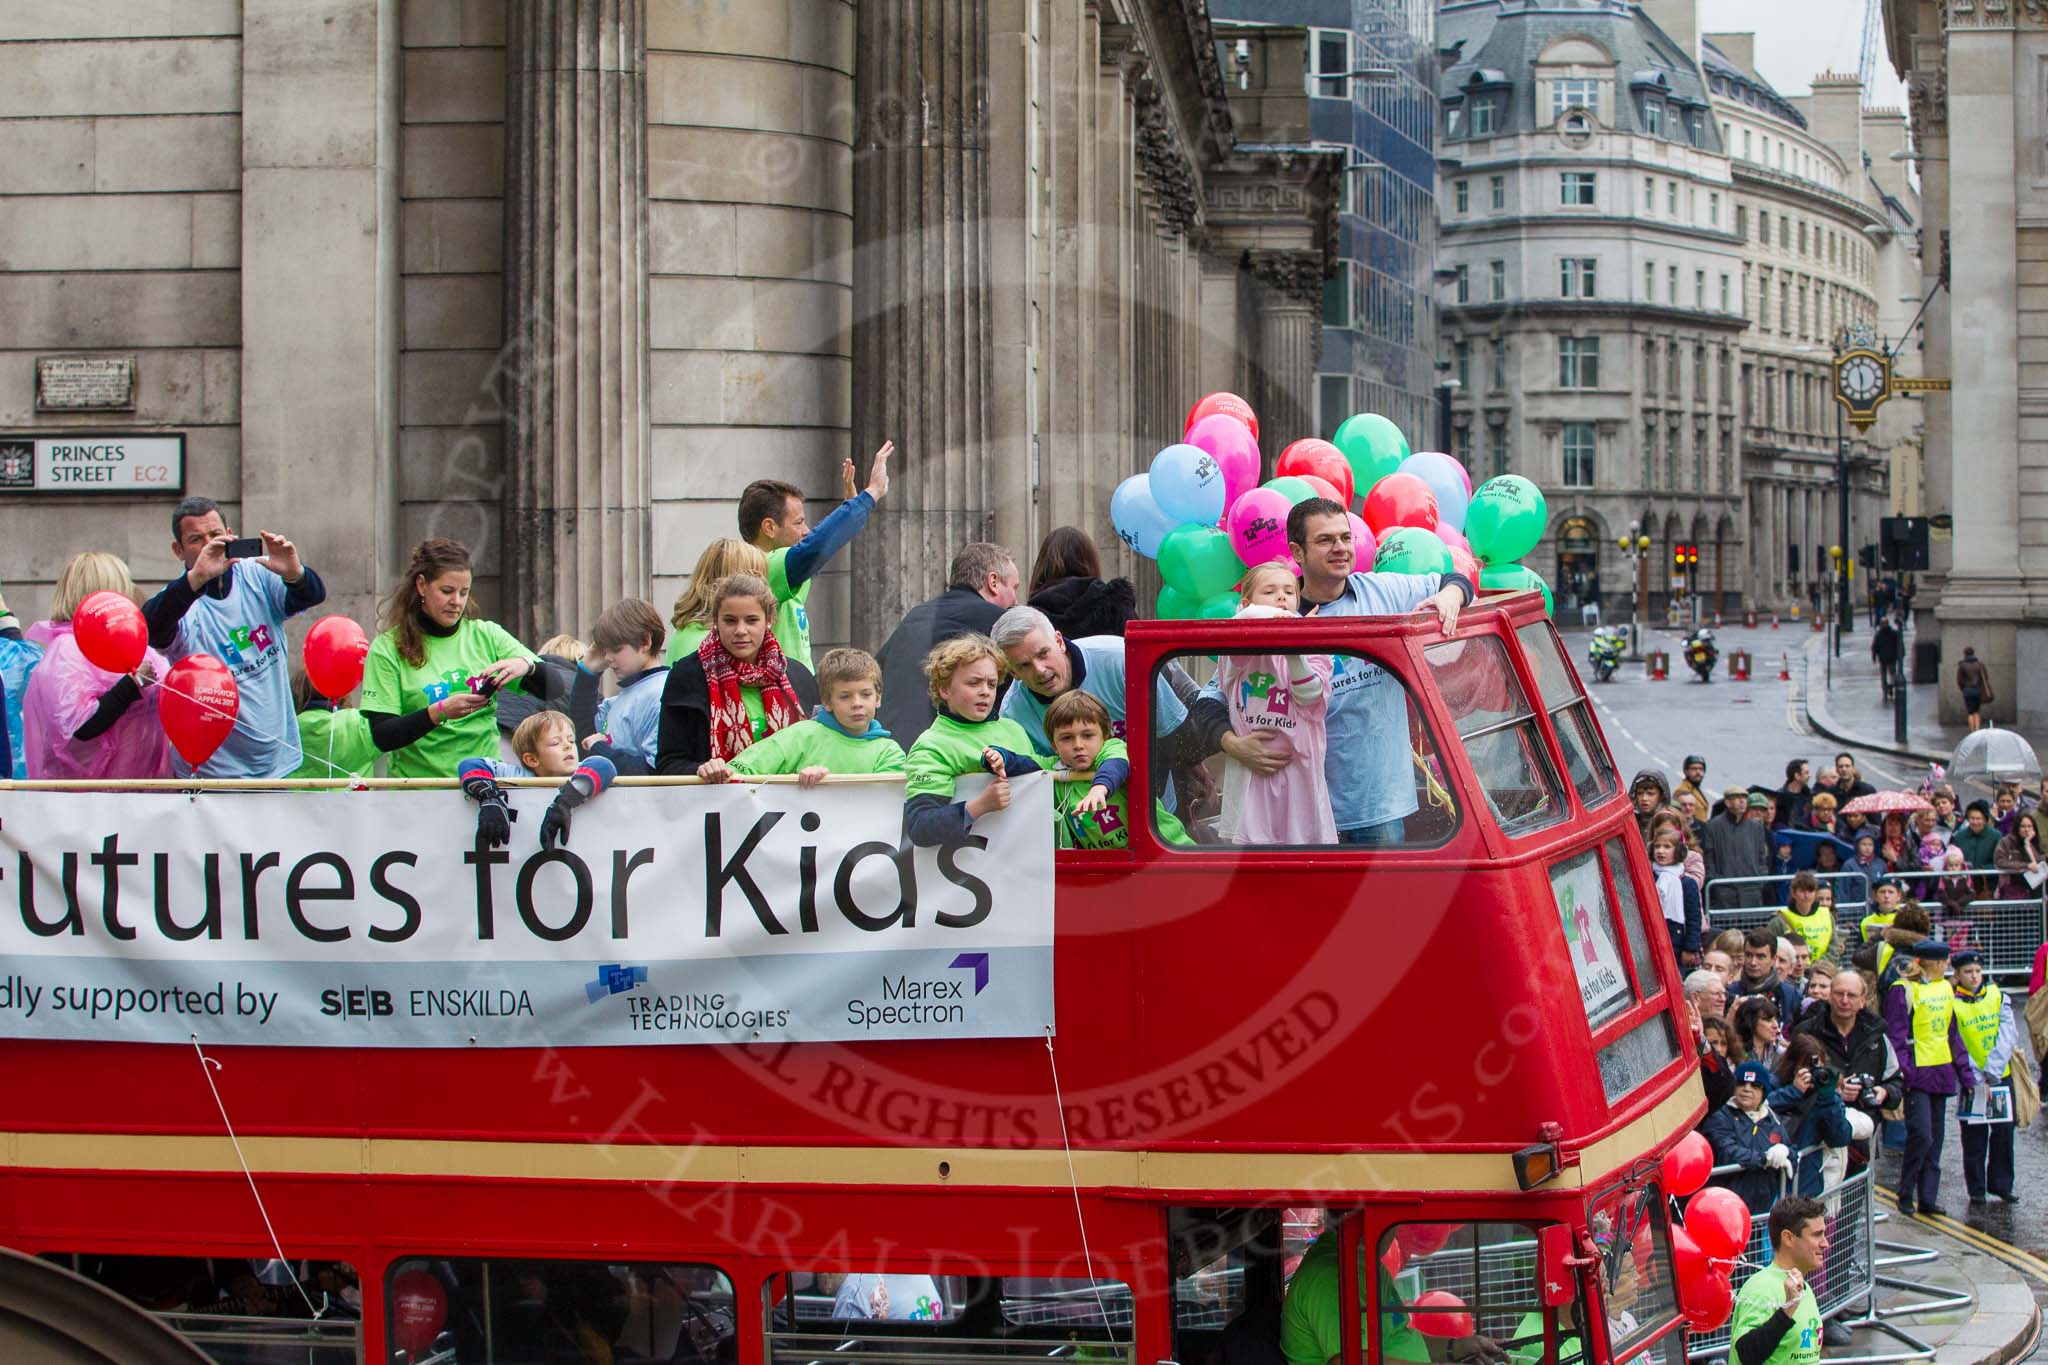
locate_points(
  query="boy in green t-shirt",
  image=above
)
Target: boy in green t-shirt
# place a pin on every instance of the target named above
(1777, 1320)
(964, 675)
(1089, 814)
(844, 737)
(773, 521)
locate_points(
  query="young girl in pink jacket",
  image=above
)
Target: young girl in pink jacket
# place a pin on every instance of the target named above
(1283, 694)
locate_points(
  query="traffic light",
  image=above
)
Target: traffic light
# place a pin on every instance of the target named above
(1867, 556)
(1678, 556)
(1692, 555)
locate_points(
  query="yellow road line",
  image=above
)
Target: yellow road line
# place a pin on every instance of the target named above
(2016, 1257)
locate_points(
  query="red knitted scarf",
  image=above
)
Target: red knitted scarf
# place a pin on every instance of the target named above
(724, 676)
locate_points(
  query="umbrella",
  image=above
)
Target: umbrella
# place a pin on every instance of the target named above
(1986, 758)
(1805, 842)
(1884, 803)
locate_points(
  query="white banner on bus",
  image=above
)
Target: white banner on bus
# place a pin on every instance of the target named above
(370, 919)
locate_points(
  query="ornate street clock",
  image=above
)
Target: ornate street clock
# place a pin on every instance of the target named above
(1863, 380)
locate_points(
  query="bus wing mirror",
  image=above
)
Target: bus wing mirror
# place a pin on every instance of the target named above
(1556, 1266)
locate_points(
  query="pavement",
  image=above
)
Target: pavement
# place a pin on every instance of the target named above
(2006, 1287)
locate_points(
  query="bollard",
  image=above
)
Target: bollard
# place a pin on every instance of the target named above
(1749, 619)
(1717, 620)
(1774, 620)
(1820, 623)
(1738, 665)
(1659, 665)
(1784, 668)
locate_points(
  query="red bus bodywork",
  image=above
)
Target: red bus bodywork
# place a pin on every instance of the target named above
(1365, 1029)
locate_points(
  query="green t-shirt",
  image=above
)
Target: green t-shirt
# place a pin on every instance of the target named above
(951, 748)
(792, 617)
(1105, 828)
(395, 687)
(354, 754)
(814, 744)
(1310, 1330)
(685, 639)
(1529, 1331)
(1763, 1295)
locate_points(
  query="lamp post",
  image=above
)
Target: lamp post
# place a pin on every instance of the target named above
(1635, 545)
(1841, 596)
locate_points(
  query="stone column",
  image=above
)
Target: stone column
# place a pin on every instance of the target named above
(1289, 337)
(920, 294)
(577, 535)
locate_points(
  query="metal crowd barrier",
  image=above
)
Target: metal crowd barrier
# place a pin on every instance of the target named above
(2007, 930)
(1849, 1275)
(1772, 894)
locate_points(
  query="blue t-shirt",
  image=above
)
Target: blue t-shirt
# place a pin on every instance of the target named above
(632, 718)
(245, 631)
(1099, 672)
(18, 659)
(1369, 768)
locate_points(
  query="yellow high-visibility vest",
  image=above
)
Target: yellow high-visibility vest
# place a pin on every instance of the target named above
(1933, 1005)
(1818, 928)
(1977, 1021)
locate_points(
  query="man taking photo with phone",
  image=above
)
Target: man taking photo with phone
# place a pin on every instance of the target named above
(232, 602)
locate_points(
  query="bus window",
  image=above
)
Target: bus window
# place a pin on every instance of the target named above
(956, 1316)
(1635, 1267)
(1228, 1266)
(1637, 926)
(1592, 937)
(1636, 1056)
(1362, 765)
(1499, 729)
(235, 1309)
(459, 1311)
(1487, 1270)
(1586, 760)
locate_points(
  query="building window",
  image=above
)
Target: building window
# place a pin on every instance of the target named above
(1785, 305)
(1671, 370)
(1671, 285)
(1650, 453)
(1497, 274)
(1721, 374)
(1463, 196)
(1575, 189)
(1802, 236)
(1574, 92)
(1650, 366)
(1461, 445)
(1713, 210)
(1649, 194)
(1497, 450)
(1497, 187)
(1461, 364)
(1337, 296)
(1746, 155)
(1464, 283)
(1763, 226)
(1699, 372)
(1699, 289)
(1649, 281)
(1671, 198)
(1784, 233)
(1578, 277)
(1742, 220)
(1578, 362)
(1763, 302)
(1333, 402)
(1579, 449)
(1653, 117)
(1498, 367)
(1482, 118)
(1330, 59)
(1724, 293)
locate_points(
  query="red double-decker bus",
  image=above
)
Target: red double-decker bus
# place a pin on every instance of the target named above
(1453, 1061)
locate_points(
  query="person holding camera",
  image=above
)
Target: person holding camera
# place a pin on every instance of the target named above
(232, 602)
(1808, 1099)
(1746, 1132)
(1853, 1041)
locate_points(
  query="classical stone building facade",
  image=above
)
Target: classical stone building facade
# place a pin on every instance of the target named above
(1978, 104)
(559, 277)
(1592, 318)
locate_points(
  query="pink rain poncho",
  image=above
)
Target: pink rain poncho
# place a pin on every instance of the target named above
(1286, 695)
(63, 693)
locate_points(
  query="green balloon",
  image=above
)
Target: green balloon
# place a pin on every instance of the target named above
(1374, 446)
(1505, 519)
(1198, 561)
(1294, 490)
(1410, 549)
(1220, 607)
(1175, 605)
(1516, 578)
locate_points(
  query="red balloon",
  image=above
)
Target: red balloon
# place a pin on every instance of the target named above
(1719, 1221)
(1394, 1257)
(1400, 500)
(1688, 1262)
(110, 631)
(1321, 460)
(335, 649)
(1709, 1307)
(1450, 1318)
(419, 1309)
(1324, 488)
(198, 706)
(1229, 405)
(1425, 1239)
(1686, 1165)
(1463, 562)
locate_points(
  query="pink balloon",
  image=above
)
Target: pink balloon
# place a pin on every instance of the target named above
(1364, 545)
(1453, 537)
(1258, 526)
(1236, 452)
(1463, 562)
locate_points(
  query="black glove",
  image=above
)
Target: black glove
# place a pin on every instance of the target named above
(586, 782)
(494, 817)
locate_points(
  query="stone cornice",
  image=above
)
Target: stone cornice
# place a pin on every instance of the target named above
(1993, 14)
(1297, 274)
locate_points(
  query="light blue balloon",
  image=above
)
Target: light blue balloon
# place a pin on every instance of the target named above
(1187, 483)
(1442, 474)
(1138, 519)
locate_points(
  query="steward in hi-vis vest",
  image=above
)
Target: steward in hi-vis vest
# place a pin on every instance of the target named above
(1984, 1017)
(1920, 1015)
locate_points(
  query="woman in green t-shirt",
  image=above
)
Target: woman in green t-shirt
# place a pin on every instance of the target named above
(736, 688)
(721, 559)
(438, 662)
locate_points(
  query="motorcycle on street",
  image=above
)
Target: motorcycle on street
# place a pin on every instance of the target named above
(1604, 652)
(1701, 653)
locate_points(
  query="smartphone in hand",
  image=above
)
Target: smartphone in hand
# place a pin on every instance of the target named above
(248, 547)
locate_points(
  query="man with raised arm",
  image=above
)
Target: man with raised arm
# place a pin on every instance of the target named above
(773, 521)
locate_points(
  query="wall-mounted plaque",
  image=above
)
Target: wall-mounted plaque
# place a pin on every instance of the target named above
(93, 462)
(85, 383)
